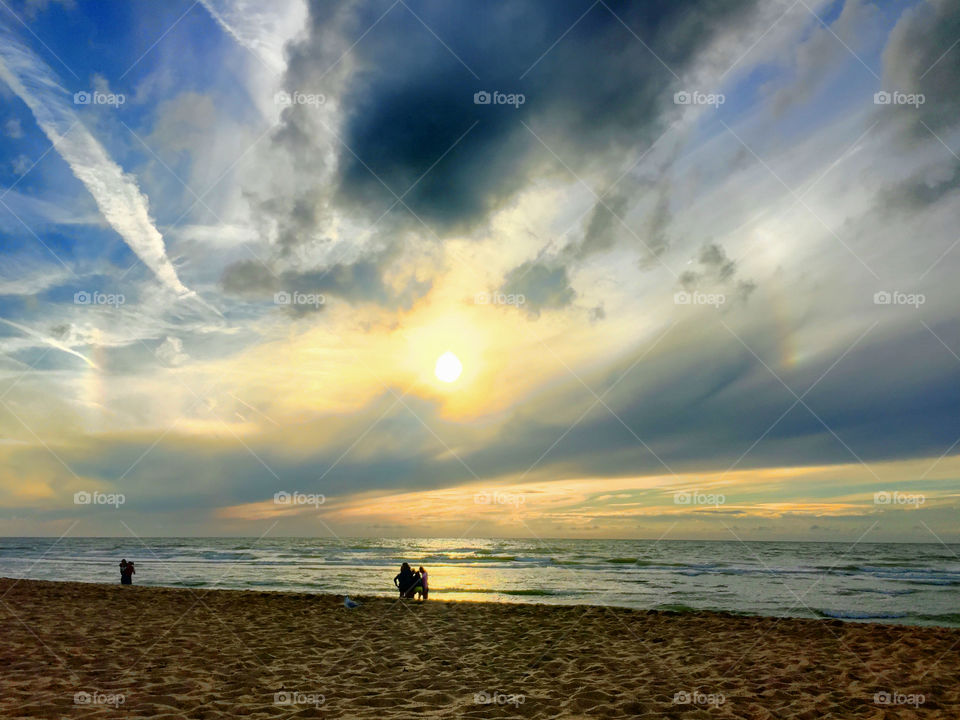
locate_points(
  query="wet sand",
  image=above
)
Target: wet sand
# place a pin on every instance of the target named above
(85, 650)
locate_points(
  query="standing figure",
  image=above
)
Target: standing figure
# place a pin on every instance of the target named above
(404, 580)
(423, 583)
(127, 571)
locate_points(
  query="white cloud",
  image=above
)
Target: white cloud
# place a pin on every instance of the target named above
(170, 351)
(12, 129)
(21, 163)
(263, 32)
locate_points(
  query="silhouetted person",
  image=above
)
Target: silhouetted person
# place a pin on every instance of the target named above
(127, 571)
(405, 580)
(423, 589)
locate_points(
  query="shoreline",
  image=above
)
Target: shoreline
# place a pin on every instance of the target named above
(75, 649)
(434, 599)
(437, 597)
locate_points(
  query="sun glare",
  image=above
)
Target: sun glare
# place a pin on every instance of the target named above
(448, 367)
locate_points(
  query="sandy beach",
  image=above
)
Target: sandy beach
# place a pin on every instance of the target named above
(87, 650)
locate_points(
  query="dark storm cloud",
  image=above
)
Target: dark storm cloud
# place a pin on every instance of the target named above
(921, 190)
(916, 60)
(250, 278)
(656, 240)
(604, 225)
(544, 286)
(407, 126)
(715, 272)
(356, 282)
(920, 60)
(714, 257)
(408, 98)
(607, 226)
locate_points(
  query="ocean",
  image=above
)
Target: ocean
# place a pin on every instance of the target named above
(916, 584)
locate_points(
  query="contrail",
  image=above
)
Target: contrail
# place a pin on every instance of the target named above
(262, 31)
(49, 341)
(116, 193)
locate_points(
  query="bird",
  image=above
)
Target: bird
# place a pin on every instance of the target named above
(350, 604)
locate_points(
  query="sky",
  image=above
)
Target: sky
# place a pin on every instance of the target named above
(694, 264)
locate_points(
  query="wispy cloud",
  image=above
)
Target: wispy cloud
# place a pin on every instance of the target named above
(47, 340)
(115, 192)
(262, 31)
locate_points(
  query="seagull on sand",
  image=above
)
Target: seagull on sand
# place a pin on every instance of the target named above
(349, 604)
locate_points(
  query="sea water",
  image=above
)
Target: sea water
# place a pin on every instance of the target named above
(881, 582)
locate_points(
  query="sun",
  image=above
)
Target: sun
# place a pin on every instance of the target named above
(448, 367)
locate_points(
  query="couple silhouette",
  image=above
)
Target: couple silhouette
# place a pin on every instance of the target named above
(411, 583)
(127, 571)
